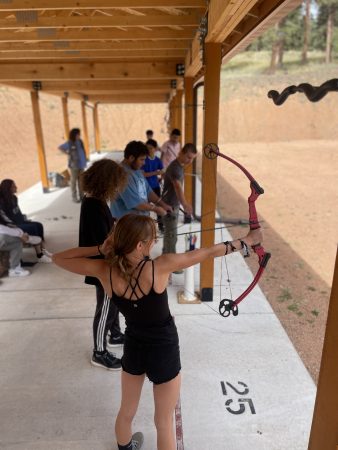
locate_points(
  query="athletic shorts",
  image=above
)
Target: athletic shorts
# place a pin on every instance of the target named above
(152, 351)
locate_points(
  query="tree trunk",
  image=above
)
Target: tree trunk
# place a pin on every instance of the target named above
(307, 22)
(277, 48)
(329, 33)
(280, 52)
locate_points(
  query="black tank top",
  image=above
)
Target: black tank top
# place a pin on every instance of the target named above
(149, 310)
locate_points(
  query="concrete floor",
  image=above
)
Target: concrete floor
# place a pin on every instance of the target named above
(53, 399)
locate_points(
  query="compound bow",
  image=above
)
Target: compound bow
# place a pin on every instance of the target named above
(227, 306)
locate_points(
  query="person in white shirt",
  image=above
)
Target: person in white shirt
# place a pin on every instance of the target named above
(171, 148)
(11, 242)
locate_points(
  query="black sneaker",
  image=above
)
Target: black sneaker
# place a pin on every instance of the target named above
(106, 360)
(137, 440)
(115, 341)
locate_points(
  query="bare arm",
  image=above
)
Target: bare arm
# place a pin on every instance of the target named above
(151, 207)
(77, 260)
(170, 262)
(180, 195)
(158, 201)
(151, 174)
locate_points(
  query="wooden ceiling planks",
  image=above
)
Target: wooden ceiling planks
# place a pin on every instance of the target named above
(65, 40)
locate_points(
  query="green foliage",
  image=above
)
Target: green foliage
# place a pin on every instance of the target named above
(291, 28)
(293, 307)
(284, 295)
(318, 37)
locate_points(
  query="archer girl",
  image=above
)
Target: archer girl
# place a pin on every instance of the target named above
(137, 285)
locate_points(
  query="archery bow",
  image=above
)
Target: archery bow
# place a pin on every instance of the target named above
(227, 306)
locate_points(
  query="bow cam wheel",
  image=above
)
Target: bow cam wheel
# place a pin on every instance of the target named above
(211, 151)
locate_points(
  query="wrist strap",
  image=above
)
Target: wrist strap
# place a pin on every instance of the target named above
(245, 248)
(229, 245)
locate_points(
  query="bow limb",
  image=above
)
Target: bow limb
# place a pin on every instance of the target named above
(227, 306)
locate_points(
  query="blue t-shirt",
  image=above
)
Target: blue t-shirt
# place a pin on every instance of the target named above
(136, 192)
(151, 165)
(76, 154)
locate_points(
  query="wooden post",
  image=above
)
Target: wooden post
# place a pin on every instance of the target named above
(172, 116)
(39, 141)
(178, 109)
(85, 128)
(188, 133)
(65, 116)
(97, 128)
(213, 60)
(324, 430)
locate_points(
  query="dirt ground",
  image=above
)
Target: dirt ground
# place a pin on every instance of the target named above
(300, 177)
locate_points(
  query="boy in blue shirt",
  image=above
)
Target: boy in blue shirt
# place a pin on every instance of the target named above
(138, 197)
(152, 170)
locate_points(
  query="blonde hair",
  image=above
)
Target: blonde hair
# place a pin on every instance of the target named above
(128, 232)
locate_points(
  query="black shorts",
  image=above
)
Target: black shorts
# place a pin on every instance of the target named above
(153, 351)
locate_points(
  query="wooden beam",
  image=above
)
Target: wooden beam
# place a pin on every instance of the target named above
(235, 17)
(171, 121)
(223, 14)
(129, 98)
(29, 5)
(85, 128)
(188, 133)
(178, 110)
(103, 86)
(162, 44)
(213, 58)
(39, 141)
(93, 55)
(64, 100)
(97, 128)
(324, 430)
(87, 71)
(102, 21)
(193, 60)
(54, 34)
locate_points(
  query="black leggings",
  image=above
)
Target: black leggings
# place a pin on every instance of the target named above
(106, 318)
(32, 228)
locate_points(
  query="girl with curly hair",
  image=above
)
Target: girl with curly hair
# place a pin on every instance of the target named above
(101, 183)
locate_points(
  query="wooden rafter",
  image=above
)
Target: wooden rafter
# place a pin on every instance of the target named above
(223, 17)
(103, 21)
(54, 34)
(121, 55)
(148, 97)
(87, 71)
(97, 85)
(17, 5)
(160, 44)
